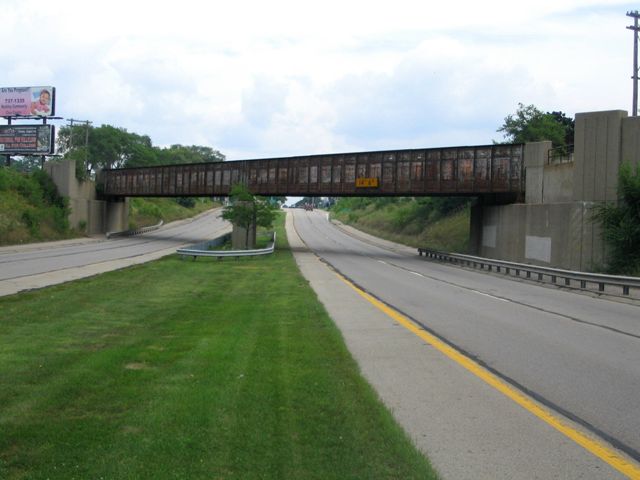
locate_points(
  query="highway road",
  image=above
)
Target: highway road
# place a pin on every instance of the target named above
(576, 354)
(36, 259)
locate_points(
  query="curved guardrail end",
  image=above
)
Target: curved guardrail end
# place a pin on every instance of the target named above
(202, 249)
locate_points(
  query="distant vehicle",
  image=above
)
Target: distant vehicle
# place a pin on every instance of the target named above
(308, 206)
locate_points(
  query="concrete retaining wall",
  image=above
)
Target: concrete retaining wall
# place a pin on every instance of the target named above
(557, 234)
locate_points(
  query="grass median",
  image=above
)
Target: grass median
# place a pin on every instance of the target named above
(181, 369)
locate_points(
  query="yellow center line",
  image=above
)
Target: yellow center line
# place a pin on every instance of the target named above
(597, 448)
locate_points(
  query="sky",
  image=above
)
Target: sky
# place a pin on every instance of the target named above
(256, 79)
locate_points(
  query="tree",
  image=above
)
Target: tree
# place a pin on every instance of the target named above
(248, 211)
(177, 154)
(621, 223)
(532, 125)
(569, 125)
(112, 147)
(108, 147)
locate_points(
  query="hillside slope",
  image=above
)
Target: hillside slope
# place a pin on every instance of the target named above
(31, 209)
(438, 223)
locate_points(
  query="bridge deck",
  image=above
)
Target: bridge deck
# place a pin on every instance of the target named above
(418, 172)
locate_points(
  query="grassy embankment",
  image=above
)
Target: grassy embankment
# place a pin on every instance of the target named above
(225, 369)
(149, 211)
(438, 223)
(32, 211)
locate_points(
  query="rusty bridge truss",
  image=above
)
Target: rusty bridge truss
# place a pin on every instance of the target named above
(478, 170)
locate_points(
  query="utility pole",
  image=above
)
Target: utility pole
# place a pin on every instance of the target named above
(86, 138)
(635, 15)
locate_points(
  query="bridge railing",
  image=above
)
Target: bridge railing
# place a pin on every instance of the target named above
(568, 278)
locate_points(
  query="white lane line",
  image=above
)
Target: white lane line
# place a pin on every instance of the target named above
(490, 296)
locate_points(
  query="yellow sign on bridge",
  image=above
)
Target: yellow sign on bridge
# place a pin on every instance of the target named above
(364, 182)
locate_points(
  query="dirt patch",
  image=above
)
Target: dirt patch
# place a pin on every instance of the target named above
(131, 429)
(136, 366)
(156, 347)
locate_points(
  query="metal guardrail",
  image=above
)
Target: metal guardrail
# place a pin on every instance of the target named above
(570, 278)
(135, 231)
(203, 249)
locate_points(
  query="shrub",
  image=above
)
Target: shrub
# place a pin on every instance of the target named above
(187, 202)
(621, 223)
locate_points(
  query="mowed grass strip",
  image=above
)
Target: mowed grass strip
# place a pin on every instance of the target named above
(182, 369)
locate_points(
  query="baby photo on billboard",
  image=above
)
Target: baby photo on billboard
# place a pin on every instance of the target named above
(41, 101)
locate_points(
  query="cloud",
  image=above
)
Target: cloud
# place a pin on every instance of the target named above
(257, 79)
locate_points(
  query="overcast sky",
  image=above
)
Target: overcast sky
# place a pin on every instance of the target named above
(278, 78)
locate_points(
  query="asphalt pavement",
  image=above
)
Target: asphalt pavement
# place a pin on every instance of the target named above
(32, 266)
(571, 355)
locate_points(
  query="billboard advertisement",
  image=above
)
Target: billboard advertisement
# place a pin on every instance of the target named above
(27, 101)
(26, 139)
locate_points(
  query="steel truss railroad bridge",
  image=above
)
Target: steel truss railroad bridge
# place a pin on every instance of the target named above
(487, 170)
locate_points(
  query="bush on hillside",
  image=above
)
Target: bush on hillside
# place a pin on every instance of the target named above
(31, 208)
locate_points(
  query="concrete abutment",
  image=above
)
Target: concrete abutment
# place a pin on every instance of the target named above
(89, 213)
(555, 227)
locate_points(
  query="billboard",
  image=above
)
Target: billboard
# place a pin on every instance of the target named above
(27, 101)
(26, 139)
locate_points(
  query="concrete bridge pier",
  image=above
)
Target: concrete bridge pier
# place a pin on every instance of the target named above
(240, 240)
